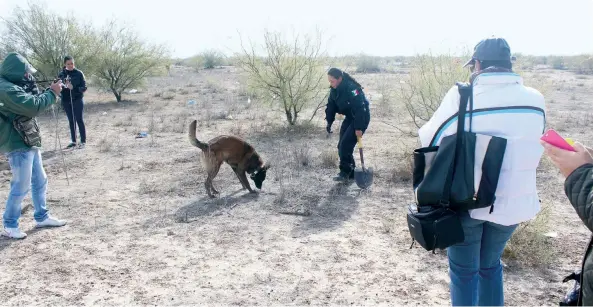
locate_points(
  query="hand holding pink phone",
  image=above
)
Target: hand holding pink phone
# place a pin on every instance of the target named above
(553, 138)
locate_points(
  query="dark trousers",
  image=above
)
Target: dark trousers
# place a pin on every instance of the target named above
(347, 143)
(74, 112)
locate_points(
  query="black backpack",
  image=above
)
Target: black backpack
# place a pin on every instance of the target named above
(443, 180)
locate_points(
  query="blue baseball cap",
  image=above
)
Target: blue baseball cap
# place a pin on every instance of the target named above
(491, 49)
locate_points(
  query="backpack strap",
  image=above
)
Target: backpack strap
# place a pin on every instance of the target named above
(465, 91)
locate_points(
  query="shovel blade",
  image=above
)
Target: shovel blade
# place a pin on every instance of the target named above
(364, 179)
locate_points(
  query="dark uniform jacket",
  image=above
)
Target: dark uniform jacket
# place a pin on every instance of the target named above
(348, 99)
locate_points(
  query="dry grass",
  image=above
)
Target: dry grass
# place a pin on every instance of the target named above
(301, 156)
(329, 159)
(107, 143)
(167, 95)
(529, 244)
(401, 172)
(147, 187)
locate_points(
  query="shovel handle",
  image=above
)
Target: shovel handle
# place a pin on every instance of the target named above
(360, 151)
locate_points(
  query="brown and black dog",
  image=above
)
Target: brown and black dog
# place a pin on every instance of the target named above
(237, 153)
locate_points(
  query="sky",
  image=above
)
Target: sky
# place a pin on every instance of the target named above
(373, 27)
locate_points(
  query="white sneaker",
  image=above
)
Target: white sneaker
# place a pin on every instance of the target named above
(13, 233)
(50, 222)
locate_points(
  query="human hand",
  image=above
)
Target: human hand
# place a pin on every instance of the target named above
(568, 161)
(358, 133)
(56, 87)
(69, 85)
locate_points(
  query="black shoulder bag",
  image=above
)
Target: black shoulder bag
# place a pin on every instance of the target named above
(444, 180)
(26, 127)
(436, 225)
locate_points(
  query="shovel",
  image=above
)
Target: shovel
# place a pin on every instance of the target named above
(364, 176)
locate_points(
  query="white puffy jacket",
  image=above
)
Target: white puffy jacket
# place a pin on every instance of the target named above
(503, 107)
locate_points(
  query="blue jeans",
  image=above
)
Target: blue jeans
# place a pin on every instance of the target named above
(474, 265)
(27, 174)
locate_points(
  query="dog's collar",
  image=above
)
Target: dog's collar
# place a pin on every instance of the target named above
(259, 168)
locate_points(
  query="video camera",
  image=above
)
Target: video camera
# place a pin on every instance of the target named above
(29, 83)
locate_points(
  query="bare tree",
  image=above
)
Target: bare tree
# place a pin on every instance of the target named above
(291, 73)
(125, 60)
(430, 79)
(45, 38)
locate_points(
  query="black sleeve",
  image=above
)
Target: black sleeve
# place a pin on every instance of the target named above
(330, 109)
(80, 85)
(358, 108)
(61, 75)
(578, 187)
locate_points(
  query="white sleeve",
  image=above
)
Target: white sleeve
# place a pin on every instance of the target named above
(449, 107)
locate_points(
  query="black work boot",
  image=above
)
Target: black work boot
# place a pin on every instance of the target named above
(344, 177)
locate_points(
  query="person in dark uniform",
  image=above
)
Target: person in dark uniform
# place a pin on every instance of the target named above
(72, 100)
(347, 98)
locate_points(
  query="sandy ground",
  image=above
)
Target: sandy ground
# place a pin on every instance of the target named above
(142, 230)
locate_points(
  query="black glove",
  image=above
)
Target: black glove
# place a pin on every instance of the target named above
(328, 128)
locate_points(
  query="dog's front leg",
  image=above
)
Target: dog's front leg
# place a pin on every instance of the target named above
(239, 176)
(243, 177)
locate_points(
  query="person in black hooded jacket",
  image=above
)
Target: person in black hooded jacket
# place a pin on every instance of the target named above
(347, 98)
(72, 100)
(577, 168)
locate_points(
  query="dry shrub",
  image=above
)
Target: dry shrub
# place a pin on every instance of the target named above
(368, 64)
(402, 169)
(145, 187)
(214, 86)
(529, 245)
(152, 165)
(401, 172)
(302, 156)
(329, 158)
(291, 74)
(238, 129)
(421, 94)
(152, 125)
(540, 82)
(386, 91)
(105, 144)
(168, 95)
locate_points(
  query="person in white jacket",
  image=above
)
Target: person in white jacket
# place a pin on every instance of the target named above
(503, 107)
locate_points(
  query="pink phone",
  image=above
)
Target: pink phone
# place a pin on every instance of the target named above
(553, 138)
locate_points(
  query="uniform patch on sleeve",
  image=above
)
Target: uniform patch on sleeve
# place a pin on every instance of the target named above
(355, 93)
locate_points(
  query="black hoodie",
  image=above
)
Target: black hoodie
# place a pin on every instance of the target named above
(78, 84)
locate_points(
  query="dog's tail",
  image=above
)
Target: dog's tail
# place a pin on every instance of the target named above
(193, 139)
